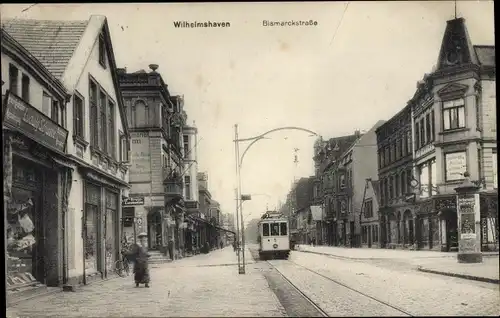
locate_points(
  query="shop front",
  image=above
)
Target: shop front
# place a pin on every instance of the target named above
(35, 191)
(101, 225)
(489, 221)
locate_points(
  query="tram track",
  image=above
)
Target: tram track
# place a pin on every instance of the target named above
(329, 279)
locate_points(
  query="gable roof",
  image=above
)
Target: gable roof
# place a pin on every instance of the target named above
(51, 42)
(64, 47)
(10, 45)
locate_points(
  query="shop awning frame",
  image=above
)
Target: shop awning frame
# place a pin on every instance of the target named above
(197, 219)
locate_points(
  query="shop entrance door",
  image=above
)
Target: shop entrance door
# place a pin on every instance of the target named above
(25, 237)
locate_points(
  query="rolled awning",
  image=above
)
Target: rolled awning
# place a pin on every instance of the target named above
(200, 220)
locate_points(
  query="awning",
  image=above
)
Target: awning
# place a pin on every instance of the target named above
(197, 219)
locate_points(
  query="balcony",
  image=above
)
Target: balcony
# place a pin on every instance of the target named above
(173, 189)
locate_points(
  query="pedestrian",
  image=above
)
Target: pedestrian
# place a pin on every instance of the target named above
(141, 256)
(221, 245)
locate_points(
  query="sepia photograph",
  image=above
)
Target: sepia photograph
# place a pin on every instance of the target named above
(250, 159)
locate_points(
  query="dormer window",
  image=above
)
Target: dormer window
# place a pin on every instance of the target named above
(102, 51)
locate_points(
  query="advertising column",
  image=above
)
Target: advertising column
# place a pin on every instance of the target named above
(469, 225)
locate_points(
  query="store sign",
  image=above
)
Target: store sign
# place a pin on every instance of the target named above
(28, 120)
(133, 201)
(456, 165)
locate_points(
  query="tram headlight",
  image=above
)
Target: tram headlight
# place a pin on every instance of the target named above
(275, 245)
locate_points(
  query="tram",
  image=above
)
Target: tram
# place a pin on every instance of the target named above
(274, 237)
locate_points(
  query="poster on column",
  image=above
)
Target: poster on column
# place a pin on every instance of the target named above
(466, 208)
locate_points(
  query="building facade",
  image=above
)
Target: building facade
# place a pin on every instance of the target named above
(81, 56)
(455, 131)
(327, 185)
(156, 119)
(369, 219)
(395, 171)
(449, 126)
(34, 171)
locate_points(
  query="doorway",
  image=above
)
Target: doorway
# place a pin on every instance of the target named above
(451, 233)
(154, 230)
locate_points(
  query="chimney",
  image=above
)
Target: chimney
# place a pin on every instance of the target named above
(121, 70)
(357, 133)
(153, 67)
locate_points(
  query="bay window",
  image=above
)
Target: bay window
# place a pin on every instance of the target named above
(454, 114)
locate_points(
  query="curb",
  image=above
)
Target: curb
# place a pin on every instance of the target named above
(463, 276)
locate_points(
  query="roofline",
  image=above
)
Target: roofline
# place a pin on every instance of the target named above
(484, 45)
(37, 65)
(408, 105)
(114, 75)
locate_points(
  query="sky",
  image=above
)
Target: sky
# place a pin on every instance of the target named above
(359, 64)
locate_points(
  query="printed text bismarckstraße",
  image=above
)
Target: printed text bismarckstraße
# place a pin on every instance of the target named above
(289, 23)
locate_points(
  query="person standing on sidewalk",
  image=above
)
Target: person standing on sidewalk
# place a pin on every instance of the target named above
(141, 261)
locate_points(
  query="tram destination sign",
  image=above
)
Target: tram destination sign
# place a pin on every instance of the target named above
(26, 119)
(133, 201)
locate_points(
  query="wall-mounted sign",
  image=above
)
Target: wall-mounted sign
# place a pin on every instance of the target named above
(140, 157)
(26, 119)
(456, 165)
(133, 201)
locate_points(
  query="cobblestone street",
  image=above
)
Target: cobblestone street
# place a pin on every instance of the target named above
(183, 288)
(400, 287)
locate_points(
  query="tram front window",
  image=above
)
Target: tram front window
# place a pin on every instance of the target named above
(283, 228)
(275, 229)
(265, 229)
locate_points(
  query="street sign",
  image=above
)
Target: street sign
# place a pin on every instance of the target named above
(133, 201)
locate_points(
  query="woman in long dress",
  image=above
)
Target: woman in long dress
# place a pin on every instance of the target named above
(141, 256)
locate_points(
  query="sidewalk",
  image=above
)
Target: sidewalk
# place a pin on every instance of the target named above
(443, 263)
(184, 288)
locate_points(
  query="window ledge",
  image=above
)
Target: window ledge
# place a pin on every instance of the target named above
(451, 131)
(80, 141)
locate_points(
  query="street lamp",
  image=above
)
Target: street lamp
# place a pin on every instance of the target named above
(239, 161)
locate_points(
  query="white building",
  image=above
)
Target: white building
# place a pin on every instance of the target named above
(80, 54)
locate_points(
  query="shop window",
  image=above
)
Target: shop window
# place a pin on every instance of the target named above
(454, 114)
(13, 79)
(22, 237)
(265, 229)
(25, 94)
(128, 216)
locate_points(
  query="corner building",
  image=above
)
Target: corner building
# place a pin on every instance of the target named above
(156, 199)
(80, 54)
